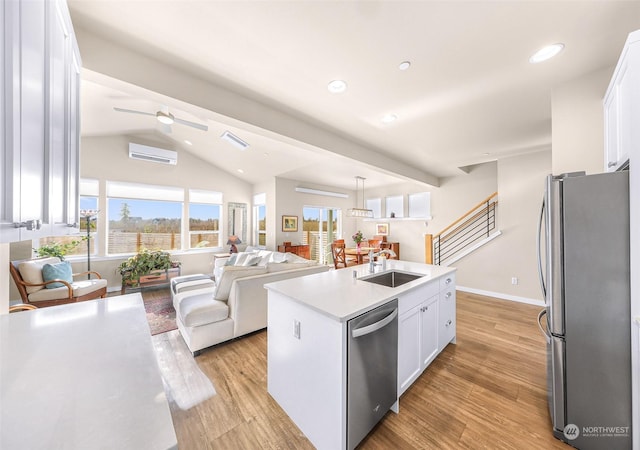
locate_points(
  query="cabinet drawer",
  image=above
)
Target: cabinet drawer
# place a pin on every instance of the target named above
(416, 296)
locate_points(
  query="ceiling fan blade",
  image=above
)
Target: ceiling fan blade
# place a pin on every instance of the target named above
(134, 111)
(191, 124)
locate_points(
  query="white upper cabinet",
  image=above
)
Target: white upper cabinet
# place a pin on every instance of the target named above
(622, 107)
(39, 121)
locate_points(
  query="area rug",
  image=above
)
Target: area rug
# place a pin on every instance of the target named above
(160, 313)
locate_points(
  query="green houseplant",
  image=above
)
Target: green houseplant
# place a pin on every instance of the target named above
(59, 249)
(144, 263)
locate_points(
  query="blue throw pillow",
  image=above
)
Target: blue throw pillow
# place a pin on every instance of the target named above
(232, 260)
(58, 271)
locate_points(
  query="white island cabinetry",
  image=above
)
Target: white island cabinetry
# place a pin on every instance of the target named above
(307, 340)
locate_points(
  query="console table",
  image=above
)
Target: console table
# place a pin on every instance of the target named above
(81, 376)
(300, 250)
(156, 278)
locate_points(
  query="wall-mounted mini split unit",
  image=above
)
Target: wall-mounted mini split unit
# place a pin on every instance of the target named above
(153, 154)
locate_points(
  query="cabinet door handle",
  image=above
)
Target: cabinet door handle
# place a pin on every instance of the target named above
(30, 225)
(448, 323)
(447, 281)
(611, 164)
(447, 295)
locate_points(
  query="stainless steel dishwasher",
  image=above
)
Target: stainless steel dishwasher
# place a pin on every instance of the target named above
(372, 369)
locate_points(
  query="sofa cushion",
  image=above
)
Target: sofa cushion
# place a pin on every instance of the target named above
(253, 260)
(57, 271)
(80, 288)
(202, 309)
(31, 272)
(230, 273)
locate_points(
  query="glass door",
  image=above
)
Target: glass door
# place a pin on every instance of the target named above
(320, 227)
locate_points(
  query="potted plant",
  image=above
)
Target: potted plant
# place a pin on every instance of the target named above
(148, 266)
(58, 249)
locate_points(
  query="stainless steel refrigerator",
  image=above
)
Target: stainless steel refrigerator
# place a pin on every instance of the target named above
(583, 261)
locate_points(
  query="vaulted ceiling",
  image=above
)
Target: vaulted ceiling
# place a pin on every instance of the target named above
(470, 95)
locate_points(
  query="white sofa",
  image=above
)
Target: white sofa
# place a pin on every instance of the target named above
(237, 303)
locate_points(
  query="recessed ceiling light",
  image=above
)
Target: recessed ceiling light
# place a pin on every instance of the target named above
(265, 154)
(240, 171)
(404, 65)
(545, 53)
(486, 154)
(188, 142)
(388, 118)
(337, 86)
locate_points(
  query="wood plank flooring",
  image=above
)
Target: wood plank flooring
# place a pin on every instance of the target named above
(487, 391)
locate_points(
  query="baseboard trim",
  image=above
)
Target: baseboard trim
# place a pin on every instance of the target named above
(500, 295)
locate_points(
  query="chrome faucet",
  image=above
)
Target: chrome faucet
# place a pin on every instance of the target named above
(372, 256)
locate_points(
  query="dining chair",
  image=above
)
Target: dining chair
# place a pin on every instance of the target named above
(340, 257)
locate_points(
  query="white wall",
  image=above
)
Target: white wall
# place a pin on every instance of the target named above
(513, 254)
(578, 123)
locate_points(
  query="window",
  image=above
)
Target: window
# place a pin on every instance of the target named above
(143, 216)
(88, 201)
(204, 218)
(420, 205)
(260, 220)
(375, 205)
(395, 206)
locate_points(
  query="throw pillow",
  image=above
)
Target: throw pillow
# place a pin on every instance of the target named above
(252, 261)
(59, 271)
(231, 260)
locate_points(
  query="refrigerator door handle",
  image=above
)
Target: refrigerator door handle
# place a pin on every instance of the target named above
(547, 336)
(539, 252)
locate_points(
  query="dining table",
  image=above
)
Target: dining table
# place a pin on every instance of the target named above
(359, 252)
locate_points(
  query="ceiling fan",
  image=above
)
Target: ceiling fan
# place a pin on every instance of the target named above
(166, 118)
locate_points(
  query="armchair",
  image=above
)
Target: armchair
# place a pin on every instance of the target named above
(28, 277)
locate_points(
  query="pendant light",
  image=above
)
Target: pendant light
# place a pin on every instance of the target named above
(360, 212)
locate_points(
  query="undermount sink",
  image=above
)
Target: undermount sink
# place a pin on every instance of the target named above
(392, 278)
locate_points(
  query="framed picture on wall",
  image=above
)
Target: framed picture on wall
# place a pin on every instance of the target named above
(289, 223)
(382, 229)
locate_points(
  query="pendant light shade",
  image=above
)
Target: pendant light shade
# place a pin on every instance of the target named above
(362, 213)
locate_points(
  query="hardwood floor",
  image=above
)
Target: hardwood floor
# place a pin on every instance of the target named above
(487, 391)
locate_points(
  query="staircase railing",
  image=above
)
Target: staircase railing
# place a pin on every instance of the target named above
(474, 225)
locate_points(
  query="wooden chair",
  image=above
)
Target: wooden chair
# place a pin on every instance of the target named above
(375, 245)
(340, 257)
(21, 307)
(33, 290)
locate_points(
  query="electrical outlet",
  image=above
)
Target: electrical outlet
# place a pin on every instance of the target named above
(514, 280)
(296, 329)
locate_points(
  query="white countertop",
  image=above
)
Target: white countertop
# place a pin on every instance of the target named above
(339, 295)
(82, 376)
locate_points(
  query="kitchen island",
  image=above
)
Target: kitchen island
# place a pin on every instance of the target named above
(308, 321)
(82, 376)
